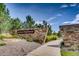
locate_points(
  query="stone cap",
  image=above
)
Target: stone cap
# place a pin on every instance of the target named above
(69, 25)
(69, 28)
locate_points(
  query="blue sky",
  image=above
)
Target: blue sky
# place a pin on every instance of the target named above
(54, 13)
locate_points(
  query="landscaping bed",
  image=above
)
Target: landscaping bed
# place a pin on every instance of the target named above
(16, 47)
(69, 53)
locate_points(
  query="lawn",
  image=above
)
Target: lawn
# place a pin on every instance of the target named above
(7, 35)
(69, 53)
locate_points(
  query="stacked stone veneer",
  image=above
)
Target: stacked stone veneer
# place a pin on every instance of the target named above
(39, 35)
(70, 34)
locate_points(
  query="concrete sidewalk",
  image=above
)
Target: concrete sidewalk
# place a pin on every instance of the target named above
(49, 49)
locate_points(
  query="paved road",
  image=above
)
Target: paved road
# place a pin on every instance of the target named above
(49, 49)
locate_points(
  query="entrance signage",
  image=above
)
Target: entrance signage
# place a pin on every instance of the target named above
(25, 31)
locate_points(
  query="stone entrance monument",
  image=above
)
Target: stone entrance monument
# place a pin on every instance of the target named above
(70, 34)
(33, 34)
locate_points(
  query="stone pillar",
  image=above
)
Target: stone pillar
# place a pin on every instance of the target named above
(70, 34)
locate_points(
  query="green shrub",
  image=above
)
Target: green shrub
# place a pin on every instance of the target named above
(51, 37)
(2, 44)
(14, 36)
(1, 37)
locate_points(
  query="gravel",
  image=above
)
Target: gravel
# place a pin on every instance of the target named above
(17, 47)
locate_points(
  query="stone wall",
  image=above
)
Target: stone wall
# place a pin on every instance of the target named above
(39, 35)
(70, 34)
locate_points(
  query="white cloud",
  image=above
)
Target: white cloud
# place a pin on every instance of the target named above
(51, 24)
(59, 15)
(66, 23)
(64, 6)
(48, 20)
(75, 21)
(73, 5)
(38, 22)
(77, 17)
(68, 5)
(51, 18)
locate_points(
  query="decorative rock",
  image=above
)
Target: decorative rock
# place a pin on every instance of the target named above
(38, 35)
